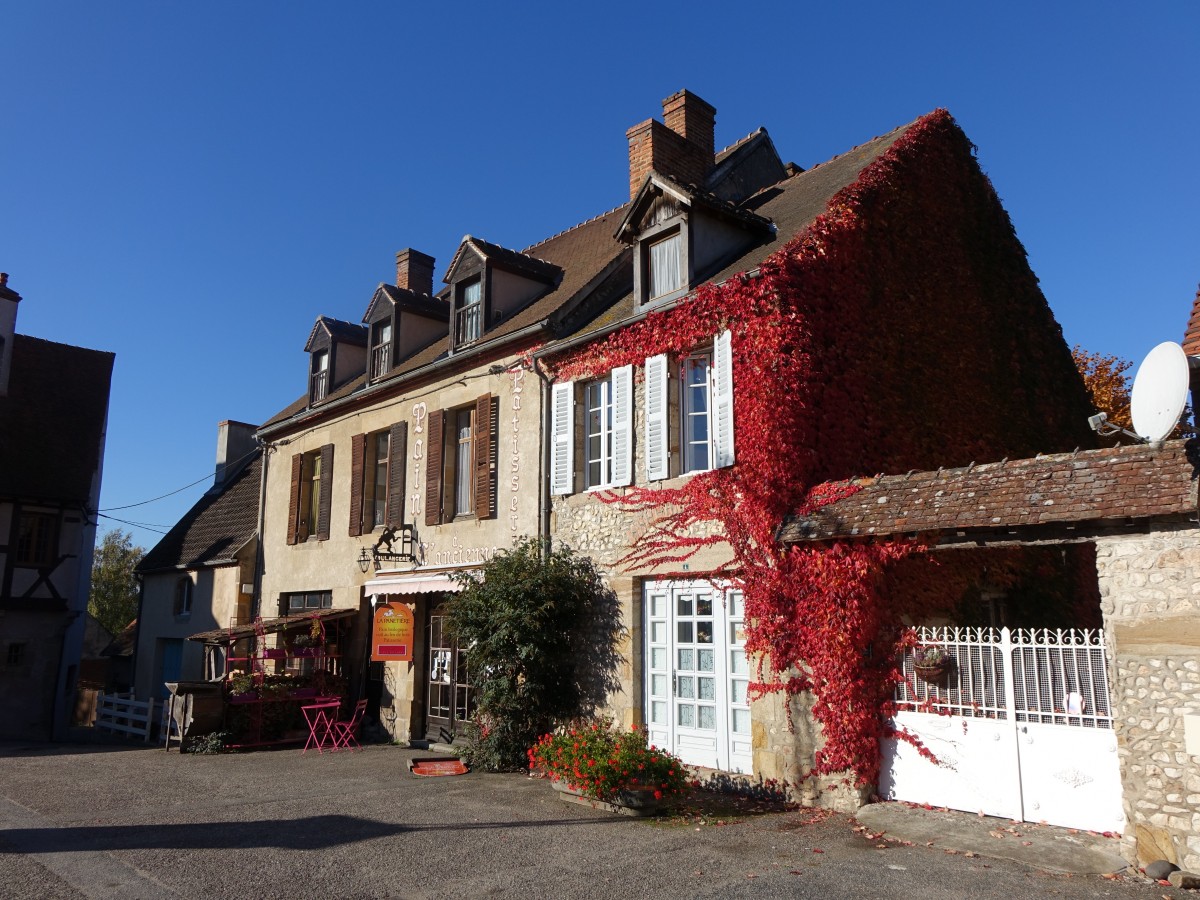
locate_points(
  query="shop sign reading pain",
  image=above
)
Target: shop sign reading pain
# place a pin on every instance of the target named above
(392, 638)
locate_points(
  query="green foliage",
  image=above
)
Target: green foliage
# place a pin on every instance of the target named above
(114, 597)
(601, 763)
(208, 744)
(540, 631)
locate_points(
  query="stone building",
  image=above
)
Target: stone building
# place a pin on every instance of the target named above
(1136, 505)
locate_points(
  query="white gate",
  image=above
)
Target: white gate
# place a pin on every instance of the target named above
(1021, 727)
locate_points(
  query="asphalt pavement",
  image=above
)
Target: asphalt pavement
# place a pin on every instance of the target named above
(129, 821)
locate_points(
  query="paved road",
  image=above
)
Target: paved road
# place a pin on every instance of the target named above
(115, 821)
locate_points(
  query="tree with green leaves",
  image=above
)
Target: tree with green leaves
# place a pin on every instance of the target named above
(113, 601)
(540, 630)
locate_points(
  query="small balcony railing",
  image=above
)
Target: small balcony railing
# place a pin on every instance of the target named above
(381, 359)
(466, 324)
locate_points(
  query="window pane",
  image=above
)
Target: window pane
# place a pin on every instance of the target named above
(741, 721)
(708, 688)
(737, 662)
(705, 659)
(665, 266)
(658, 632)
(684, 605)
(658, 685)
(685, 660)
(464, 471)
(658, 713)
(739, 690)
(704, 605)
(704, 632)
(708, 718)
(685, 687)
(658, 658)
(687, 715)
(658, 606)
(685, 632)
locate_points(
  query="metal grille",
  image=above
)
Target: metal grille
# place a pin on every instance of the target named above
(1052, 676)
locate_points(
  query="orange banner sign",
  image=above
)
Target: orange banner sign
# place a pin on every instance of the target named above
(392, 638)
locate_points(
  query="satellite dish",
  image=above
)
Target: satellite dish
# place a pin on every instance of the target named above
(1160, 391)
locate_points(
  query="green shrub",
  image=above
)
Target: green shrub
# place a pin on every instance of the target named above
(540, 632)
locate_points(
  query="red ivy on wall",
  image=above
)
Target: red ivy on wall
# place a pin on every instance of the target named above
(865, 344)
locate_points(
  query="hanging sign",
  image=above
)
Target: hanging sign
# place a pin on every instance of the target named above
(392, 638)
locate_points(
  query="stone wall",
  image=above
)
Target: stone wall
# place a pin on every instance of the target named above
(1150, 597)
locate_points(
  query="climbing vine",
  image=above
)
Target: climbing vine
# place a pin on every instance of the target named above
(843, 367)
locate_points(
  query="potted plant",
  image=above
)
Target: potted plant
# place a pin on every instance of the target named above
(242, 686)
(932, 664)
(609, 769)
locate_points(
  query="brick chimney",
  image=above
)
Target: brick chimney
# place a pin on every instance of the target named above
(8, 329)
(235, 440)
(681, 146)
(414, 271)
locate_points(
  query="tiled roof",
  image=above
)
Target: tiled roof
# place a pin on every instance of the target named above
(214, 529)
(342, 332)
(1115, 483)
(588, 249)
(52, 420)
(792, 205)
(421, 304)
(580, 252)
(538, 269)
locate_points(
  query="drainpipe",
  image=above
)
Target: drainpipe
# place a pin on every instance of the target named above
(256, 597)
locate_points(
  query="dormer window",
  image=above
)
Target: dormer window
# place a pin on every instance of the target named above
(381, 348)
(468, 312)
(664, 266)
(318, 388)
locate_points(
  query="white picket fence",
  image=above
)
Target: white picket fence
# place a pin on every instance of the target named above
(122, 714)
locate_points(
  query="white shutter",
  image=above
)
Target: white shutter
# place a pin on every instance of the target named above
(657, 450)
(722, 401)
(562, 436)
(622, 426)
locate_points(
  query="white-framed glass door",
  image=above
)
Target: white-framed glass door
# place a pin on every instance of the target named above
(696, 675)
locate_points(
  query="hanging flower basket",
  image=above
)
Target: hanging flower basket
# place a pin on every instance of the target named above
(933, 666)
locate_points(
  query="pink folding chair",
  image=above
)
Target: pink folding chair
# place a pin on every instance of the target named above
(344, 732)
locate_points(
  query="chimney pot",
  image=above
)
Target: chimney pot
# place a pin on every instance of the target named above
(414, 271)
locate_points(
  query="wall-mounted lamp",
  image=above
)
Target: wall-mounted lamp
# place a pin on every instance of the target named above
(364, 561)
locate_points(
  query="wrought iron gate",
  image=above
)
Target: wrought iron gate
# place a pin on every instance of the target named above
(1021, 727)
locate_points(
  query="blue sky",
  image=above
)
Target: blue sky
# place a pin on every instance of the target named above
(190, 185)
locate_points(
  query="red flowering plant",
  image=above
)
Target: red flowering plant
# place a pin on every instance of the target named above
(602, 763)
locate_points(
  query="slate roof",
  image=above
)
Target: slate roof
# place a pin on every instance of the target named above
(1109, 485)
(52, 420)
(214, 529)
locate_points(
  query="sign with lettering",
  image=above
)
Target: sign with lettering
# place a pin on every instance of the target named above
(392, 638)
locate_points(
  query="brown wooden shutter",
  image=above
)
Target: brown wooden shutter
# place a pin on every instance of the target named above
(293, 522)
(485, 463)
(397, 461)
(358, 462)
(325, 500)
(433, 469)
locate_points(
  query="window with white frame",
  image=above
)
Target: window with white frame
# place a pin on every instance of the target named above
(705, 418)
(607, 432)
(462, 455)
(597, 434)
(695, 405)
